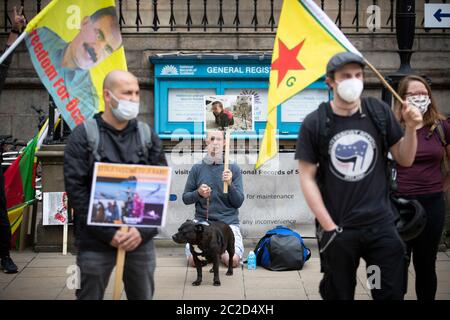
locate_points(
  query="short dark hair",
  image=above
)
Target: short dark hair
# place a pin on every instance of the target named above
(217, 102)
(108, 11)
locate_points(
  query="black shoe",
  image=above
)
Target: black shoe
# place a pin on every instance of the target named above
(8, 265)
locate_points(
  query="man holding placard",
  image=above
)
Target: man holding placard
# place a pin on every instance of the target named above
(119, 142)
(205, 188)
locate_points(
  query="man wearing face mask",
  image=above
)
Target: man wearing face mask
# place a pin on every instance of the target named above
(342, 162)
(119, 141)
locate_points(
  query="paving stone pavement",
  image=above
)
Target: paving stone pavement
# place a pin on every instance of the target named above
(45, 276)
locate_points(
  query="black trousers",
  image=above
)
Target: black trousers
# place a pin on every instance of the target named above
(5, 228)
(384, 253)
(424, 248)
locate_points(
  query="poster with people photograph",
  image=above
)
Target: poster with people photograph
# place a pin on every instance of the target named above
(54, 208)
(129, 195)
(229, 112)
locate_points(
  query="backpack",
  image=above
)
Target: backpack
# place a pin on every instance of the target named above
(281, 249)
(93, 137)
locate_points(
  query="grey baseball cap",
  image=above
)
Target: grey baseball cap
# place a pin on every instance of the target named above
(341, 59)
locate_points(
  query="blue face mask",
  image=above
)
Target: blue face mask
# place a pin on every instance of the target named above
(126, 110)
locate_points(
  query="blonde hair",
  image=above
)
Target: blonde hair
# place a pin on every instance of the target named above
(432, 114)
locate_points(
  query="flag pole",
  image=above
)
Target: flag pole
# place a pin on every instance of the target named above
(12, 47)
(227, 157)
(385, 83)
(120, 261)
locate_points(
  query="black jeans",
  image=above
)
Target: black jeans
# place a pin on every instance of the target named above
(384, 253)
(138, 275)
(5, 228)
(424, 248)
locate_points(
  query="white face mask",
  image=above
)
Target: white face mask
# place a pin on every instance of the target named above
(350, 90)
(421, 102)
(125, 110)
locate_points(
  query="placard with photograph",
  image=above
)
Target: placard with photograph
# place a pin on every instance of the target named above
(54, 208)
(229, 112)
(260, 96)
(129, 195)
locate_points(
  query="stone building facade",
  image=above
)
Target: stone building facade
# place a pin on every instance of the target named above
(23, 89)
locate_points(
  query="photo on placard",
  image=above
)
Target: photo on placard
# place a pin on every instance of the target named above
(54, 208)
(229, 112)
(131, 195)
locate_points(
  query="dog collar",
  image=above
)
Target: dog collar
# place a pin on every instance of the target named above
(203, 222)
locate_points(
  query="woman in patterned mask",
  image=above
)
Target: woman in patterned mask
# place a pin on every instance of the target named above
(424, 180)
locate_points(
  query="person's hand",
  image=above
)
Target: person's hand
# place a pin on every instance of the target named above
(19, 21)
(118, 238)
(127, 241)
(204, 191)
(131, 240)
(227, 177)
(330, 227)
(412, 116)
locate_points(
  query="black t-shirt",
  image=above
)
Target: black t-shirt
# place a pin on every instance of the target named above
(354, 184)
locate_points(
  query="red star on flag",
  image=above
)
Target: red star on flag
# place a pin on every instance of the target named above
(287, 60)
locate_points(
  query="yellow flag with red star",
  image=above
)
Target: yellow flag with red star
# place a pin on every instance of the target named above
(306, 40)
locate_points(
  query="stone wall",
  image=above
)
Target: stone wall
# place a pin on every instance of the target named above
(23, 88)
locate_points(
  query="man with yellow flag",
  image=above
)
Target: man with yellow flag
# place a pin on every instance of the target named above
(342, 151)
(346, 147)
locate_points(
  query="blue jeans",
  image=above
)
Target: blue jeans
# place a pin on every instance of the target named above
(138, 275)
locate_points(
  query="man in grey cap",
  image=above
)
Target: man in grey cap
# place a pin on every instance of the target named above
(342, 150)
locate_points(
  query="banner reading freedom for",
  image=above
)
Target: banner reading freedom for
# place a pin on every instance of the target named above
(73, 44)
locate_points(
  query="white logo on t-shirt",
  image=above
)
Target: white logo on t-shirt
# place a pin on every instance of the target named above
(353, 154)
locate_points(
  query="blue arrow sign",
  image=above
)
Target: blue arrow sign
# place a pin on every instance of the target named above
(439, 15)
(436, 15)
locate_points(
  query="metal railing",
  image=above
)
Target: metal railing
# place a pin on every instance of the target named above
(147, 16)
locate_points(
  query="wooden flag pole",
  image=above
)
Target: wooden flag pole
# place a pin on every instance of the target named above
(227, 157)
(65, 233)
(385, 83)
(119, 269)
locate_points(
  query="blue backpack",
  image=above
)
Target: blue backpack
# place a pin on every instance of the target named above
(281, 249)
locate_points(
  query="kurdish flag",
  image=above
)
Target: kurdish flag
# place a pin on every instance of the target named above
(20, 180)
(20, 177)
(306, 40)
(73, 44)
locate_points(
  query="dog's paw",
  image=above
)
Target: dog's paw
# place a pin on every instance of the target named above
(217, 283)
(196, 283)
(229, 273)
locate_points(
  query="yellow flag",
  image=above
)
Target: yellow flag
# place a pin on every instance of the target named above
(73, 44)
(306, 40)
